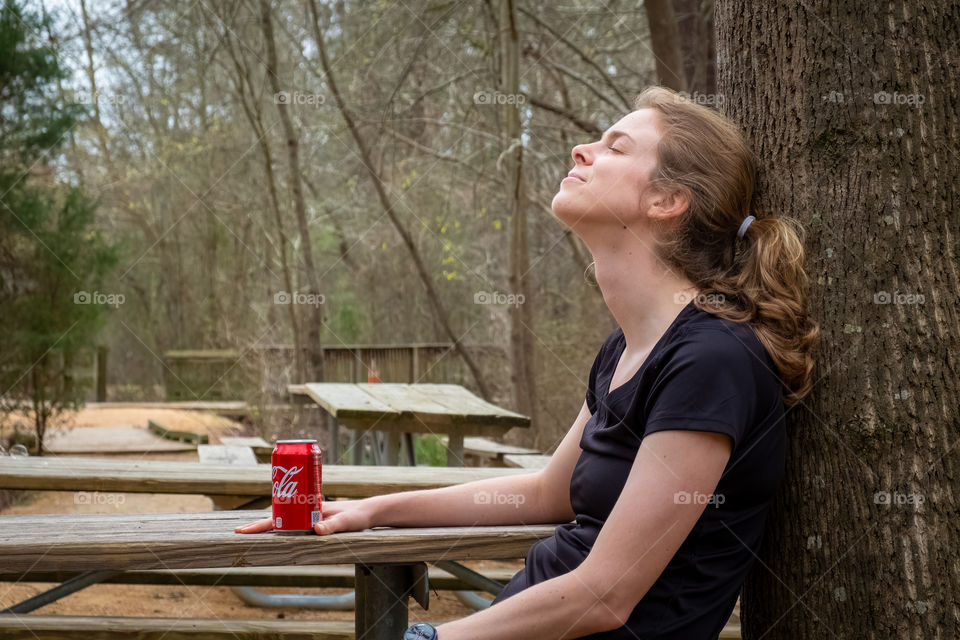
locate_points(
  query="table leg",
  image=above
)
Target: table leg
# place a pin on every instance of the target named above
(356, 447)
(455, 450)
(74, 584)
(381, 596)
(333, 429)
(392, 439)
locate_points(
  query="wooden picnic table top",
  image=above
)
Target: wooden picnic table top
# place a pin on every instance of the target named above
(83, 542)
(418, 407)
(153, 476)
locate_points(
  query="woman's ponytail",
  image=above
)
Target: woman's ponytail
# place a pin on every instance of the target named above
(759, 278)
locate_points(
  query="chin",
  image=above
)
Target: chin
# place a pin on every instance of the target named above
(564, 210)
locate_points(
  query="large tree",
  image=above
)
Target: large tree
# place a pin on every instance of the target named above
(853, 110)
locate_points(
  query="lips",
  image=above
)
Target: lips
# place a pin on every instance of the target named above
(574, 174)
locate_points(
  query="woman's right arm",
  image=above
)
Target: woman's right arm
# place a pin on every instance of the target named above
(538, 497)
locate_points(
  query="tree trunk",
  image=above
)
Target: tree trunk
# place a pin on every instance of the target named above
(695, 27)
(853, 112)
(315, 325)
(439, 311)
(251, 108)
(665, 42)
(523, 372)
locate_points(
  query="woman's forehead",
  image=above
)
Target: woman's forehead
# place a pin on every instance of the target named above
(641, 126)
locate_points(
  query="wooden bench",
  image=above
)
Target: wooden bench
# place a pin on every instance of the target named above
(109, 628)
(261, 448)
(152, 476)
(485, 452)
(310, 576)
(226, 454)
(32, 627)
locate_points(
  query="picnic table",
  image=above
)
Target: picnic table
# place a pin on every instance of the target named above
(398, 409)
(229, 485)
(388, 562)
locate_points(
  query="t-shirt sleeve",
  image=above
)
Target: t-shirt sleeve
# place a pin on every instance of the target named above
(706, 384)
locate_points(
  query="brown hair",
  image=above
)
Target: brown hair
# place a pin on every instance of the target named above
(758, 279)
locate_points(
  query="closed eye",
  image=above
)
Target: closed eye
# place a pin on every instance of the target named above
(615, 150)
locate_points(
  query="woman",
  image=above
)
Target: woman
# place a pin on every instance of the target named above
(679, 447)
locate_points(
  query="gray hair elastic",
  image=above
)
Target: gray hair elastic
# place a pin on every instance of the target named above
(743, 226)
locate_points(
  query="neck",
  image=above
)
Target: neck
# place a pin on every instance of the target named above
(643, 294)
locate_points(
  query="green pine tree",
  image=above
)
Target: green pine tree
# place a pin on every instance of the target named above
(52, 260)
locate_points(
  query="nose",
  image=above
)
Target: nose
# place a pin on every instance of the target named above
(581, 154)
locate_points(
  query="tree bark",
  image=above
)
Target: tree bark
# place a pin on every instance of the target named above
(523, 371)
(439, 311)
(315, 325)
(852, 108)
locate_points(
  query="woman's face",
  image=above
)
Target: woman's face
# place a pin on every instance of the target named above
(609, 175)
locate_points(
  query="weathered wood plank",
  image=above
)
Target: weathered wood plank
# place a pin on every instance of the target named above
(31, 627)
(260, 446)
(438, 403)
(226, 454)
(408, 407)
(179, 436)
(483, 447)
(81, 542)
(345, 400)
(152, 476)
(526, 461)
(128, 628)
(313, 576)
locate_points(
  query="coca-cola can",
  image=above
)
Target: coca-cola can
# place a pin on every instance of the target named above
(297, 502)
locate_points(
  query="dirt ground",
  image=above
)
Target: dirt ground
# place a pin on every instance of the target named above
(185, 601)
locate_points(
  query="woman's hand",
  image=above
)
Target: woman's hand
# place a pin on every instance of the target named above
(338, 515)
(257, 526)
(344, 515)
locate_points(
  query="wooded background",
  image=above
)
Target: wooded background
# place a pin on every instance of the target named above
(398, 159)
(390, 163)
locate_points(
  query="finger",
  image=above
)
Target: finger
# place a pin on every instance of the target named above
(330, 524)
(257, 526)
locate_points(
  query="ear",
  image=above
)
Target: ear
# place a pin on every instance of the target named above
(667, 203)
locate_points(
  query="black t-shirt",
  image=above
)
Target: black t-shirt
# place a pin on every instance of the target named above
(704, 374)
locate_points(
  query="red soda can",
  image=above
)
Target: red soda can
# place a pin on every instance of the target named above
(297, 503)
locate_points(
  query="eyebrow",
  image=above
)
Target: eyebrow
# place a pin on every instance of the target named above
(614, 135)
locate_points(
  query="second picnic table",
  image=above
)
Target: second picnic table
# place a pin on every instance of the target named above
(398, 409)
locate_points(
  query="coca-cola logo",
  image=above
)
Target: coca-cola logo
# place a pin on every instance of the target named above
(286, 487)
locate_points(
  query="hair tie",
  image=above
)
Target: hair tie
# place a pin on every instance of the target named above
(743, 225)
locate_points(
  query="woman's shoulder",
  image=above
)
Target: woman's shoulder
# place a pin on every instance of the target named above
(727, 343)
